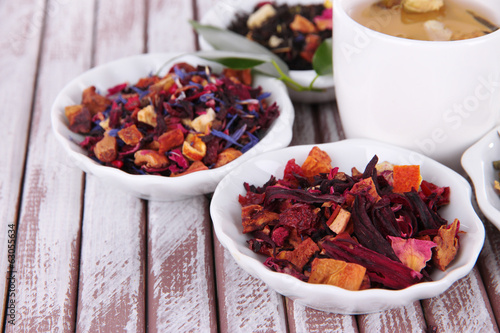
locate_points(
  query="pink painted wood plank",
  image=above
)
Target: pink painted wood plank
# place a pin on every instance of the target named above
(112, 294)
(409, 318)
(120, 30)
(181, 295)
(464, 307)
(49, 226)
(246, 304)
(19, 45)
(181, 287)
(168, 26)
(305, 319)
(489, 266)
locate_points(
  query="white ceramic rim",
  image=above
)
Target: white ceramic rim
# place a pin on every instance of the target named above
(481, 173)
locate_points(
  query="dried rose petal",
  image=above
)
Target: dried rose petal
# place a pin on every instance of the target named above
(414, 253)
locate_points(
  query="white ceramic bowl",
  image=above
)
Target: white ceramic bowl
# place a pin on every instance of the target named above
(151, 186)
(226, 215)
(430, 97)
(478, 163)
(221, 15)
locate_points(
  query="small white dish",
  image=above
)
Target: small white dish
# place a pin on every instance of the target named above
(477, 161)
(226, 216)
(153, 187)
(221, 15)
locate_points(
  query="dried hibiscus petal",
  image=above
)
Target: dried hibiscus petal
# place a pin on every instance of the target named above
(389, 273)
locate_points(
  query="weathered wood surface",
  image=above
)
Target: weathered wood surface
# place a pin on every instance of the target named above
(92, 258)
(19, 42)
(48, 239)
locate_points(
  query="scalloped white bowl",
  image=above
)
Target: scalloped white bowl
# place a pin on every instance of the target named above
(152, 187)
(477, 161)
(224, 11)
(226, 216)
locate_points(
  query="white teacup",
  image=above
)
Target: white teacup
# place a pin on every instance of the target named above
(436, 98)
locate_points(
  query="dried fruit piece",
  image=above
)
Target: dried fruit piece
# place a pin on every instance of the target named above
(406, 177)
(203, 122)
(105, 149)
(256, 19)
(301, 24)
(147, 115)
(241, 75)
(170, 139)
(316, 162)
(226, 156)
(130, 135)
(254, 217)
(150, 159)
(337, 273)
(301, 255)
(447, 245)
(193, 147)
(79, 118)
(338, 222)
(93, 101)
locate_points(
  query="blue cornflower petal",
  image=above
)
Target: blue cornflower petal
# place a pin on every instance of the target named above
(140, 92)
(264, 95)
(253, 141)
(113, 132)
(225, 137)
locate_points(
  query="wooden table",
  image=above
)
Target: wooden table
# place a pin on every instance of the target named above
(92, 258)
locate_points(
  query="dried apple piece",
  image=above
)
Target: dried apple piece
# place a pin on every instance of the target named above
(105, 149)
(301, 255)
(226, 156)
(93, 101)
(79, 117)
(254, 217)
(170, 139)
(337, 273)
(130, 135)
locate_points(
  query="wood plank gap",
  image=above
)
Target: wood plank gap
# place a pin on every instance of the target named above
(146, 24)
(79, 244)
(94, 34)
(214, 270)
(17, 220)
(317, 121)
(145, 207)
(195, 18)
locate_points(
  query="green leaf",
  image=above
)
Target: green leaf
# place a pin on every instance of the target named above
(236, 61)
(221, 39)
(322, 60)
